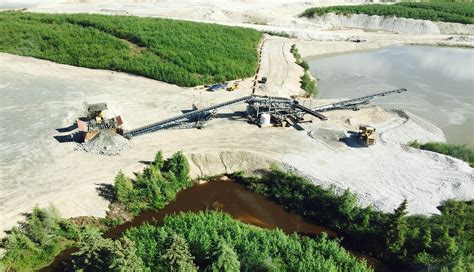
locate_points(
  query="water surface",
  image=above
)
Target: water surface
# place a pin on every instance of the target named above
(440, 83)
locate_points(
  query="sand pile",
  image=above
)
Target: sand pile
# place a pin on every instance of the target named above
(106, 143)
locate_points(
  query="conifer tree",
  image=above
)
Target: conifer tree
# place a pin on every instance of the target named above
(397, 229)
(124, 257)
(225, 259)
(123, 187)
(177, 255)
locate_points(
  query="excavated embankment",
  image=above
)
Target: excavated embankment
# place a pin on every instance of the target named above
(392, 24)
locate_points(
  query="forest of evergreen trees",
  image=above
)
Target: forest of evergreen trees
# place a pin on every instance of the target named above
(177, 52)
(416, 242)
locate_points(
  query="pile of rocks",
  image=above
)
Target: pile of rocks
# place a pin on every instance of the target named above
(106, 143)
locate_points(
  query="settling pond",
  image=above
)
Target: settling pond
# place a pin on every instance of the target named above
(232, 198)
(440, 83)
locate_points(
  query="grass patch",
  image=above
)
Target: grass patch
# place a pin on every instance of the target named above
(444, 12)
(461, 152)
(308, 83)
(177, 52)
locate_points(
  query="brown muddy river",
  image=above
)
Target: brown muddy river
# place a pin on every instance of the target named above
(232, 198)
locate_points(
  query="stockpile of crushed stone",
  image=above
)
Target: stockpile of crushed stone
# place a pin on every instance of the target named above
(106, 143)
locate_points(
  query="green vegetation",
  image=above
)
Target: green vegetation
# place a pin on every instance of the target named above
(441, 241)
(156, 186)
(461, 152)
(213, 241)
(307, 82)
(278, 33)
(466, 10)
(36, 241)
(178, 52)
(44, 234)
(96, 253)
(445, 12)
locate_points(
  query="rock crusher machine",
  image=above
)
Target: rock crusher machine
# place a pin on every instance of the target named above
(96, 121)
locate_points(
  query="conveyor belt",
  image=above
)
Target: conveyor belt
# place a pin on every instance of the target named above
(310, 111)
(356, 101)
(180, 118)
(176, 120)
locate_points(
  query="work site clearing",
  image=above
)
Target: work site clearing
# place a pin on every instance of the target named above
(62, 174)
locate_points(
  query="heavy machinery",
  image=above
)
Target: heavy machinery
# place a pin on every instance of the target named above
(366, 135)
(283, 112)
(234, 87)
(97, 121)
(216, 87)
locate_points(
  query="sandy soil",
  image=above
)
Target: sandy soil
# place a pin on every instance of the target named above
(381, 175)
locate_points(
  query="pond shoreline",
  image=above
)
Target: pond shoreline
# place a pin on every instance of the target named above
(426, 96)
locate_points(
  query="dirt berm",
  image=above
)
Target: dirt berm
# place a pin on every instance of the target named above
(392, 24)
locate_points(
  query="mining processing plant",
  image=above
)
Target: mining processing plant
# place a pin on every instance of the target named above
(261, 110)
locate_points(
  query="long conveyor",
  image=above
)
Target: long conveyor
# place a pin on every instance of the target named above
(353, 103)
(176, 120)
(310, 111)
(180, 118)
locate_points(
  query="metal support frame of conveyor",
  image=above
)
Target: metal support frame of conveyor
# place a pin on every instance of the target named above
(356, 102)
(279, 108)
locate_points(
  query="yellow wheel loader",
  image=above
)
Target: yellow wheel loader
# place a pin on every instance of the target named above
(367, 135)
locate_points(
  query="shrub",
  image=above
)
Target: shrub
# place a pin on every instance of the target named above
(307, 82)
(461, 152)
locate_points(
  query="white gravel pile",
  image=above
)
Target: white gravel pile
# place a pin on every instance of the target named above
(388, 172)
(106, 143)
(392, 24)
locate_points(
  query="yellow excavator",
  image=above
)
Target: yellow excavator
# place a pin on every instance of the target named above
(367, 135)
